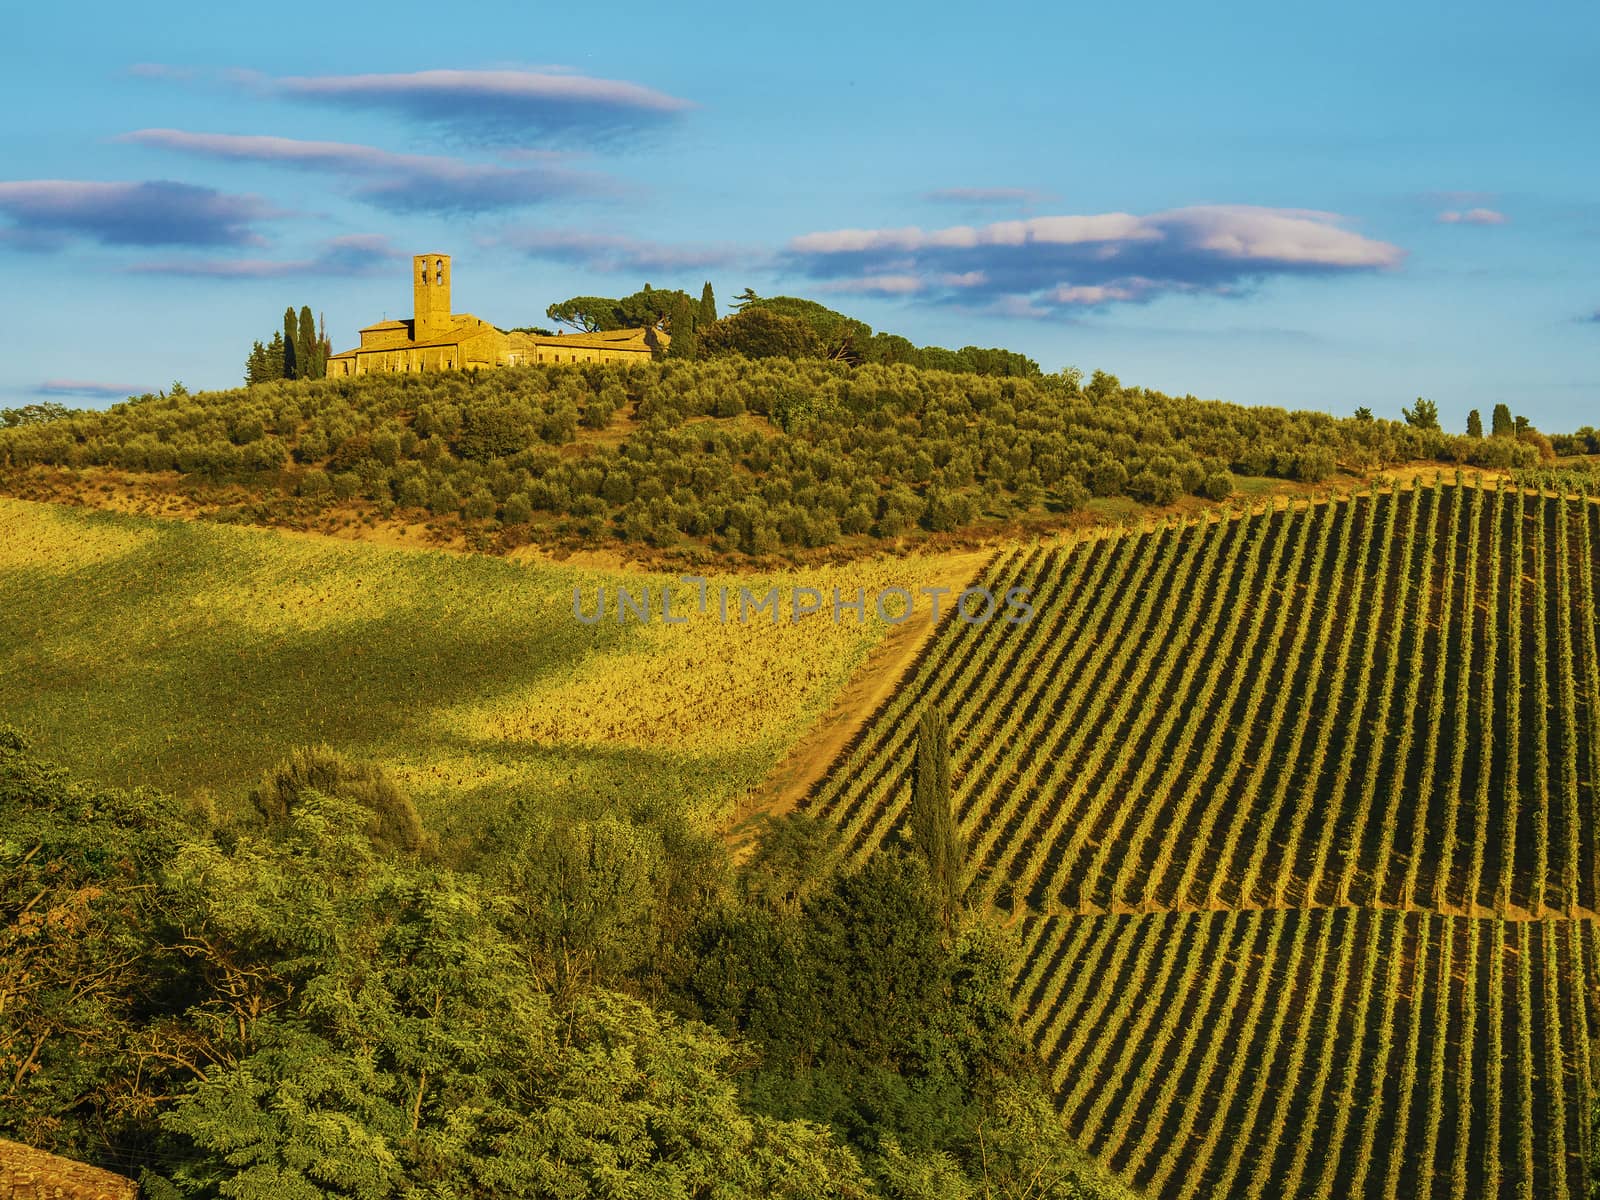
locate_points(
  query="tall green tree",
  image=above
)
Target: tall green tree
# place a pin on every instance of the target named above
(843, 338)
(586, 314)
(1501, 424)
(708, 306)
(1474, 424)
(761, 333)
(681, 325)
(277, 357)
(291, 330)
(744, 299)
(306, 347)
(1424, 414)
(255, 366)
(583, 899)
(933, 830)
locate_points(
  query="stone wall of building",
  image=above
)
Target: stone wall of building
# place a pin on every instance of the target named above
(436, 339)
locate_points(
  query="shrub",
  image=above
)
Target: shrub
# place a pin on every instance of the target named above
(1069, 495)
(394, 827)
(1108, 479)
(1153, 488)
(518, 510)
(314, 482)
(1313, 466)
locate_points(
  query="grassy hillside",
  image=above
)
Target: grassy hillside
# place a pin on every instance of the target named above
(190, 656)
(1299, 810)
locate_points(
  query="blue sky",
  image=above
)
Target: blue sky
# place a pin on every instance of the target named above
(1315, 208)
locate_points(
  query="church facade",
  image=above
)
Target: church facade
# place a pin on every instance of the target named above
(435, 339)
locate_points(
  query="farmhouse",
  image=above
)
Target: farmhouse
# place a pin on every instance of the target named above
(435, 339)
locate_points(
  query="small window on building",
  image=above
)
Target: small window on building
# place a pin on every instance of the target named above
(438, 268)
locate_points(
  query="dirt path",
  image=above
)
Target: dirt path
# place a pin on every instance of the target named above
(874, 681)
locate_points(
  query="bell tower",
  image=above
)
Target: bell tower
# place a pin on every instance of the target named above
(430, 282)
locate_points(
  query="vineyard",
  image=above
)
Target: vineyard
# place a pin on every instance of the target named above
(1297, 811)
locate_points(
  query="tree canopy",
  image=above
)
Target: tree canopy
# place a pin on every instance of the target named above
(282, 1005)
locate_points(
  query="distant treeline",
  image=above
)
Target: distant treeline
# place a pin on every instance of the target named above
(875, 451)
(773, 327)
(300, 351)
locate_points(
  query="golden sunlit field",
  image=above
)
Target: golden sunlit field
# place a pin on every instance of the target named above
(189, 657)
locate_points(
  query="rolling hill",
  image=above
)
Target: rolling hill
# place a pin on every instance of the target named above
(1296, 810)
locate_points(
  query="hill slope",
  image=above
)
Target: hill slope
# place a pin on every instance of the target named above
(1343, 759)
(469, 676)
(729, 456)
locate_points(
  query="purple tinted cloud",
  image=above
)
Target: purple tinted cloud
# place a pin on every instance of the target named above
(609, 253)
(1043, 266)
(45, 212)
(498, 107)
(1472, 216)
(359, 254)
(87, 389)
(395, 182)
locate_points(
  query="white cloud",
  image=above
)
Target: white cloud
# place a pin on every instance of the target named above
(1472, 216)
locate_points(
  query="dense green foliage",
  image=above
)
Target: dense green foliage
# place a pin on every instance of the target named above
(789, 327)
(740, 456)
(1586, 440)
(647, 308)
(288, 1010)
(34, 414)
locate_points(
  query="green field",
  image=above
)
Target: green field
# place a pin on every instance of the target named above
(1298, 813)
(188, 657)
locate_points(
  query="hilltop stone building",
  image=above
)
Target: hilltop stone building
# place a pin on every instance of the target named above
(435, 339)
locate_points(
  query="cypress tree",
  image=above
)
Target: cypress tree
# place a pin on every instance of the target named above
(1501, 424)
(1474, 424)
(933, 830)
(291, 363)
(305, 346)
(680, 324)
(708, 306)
